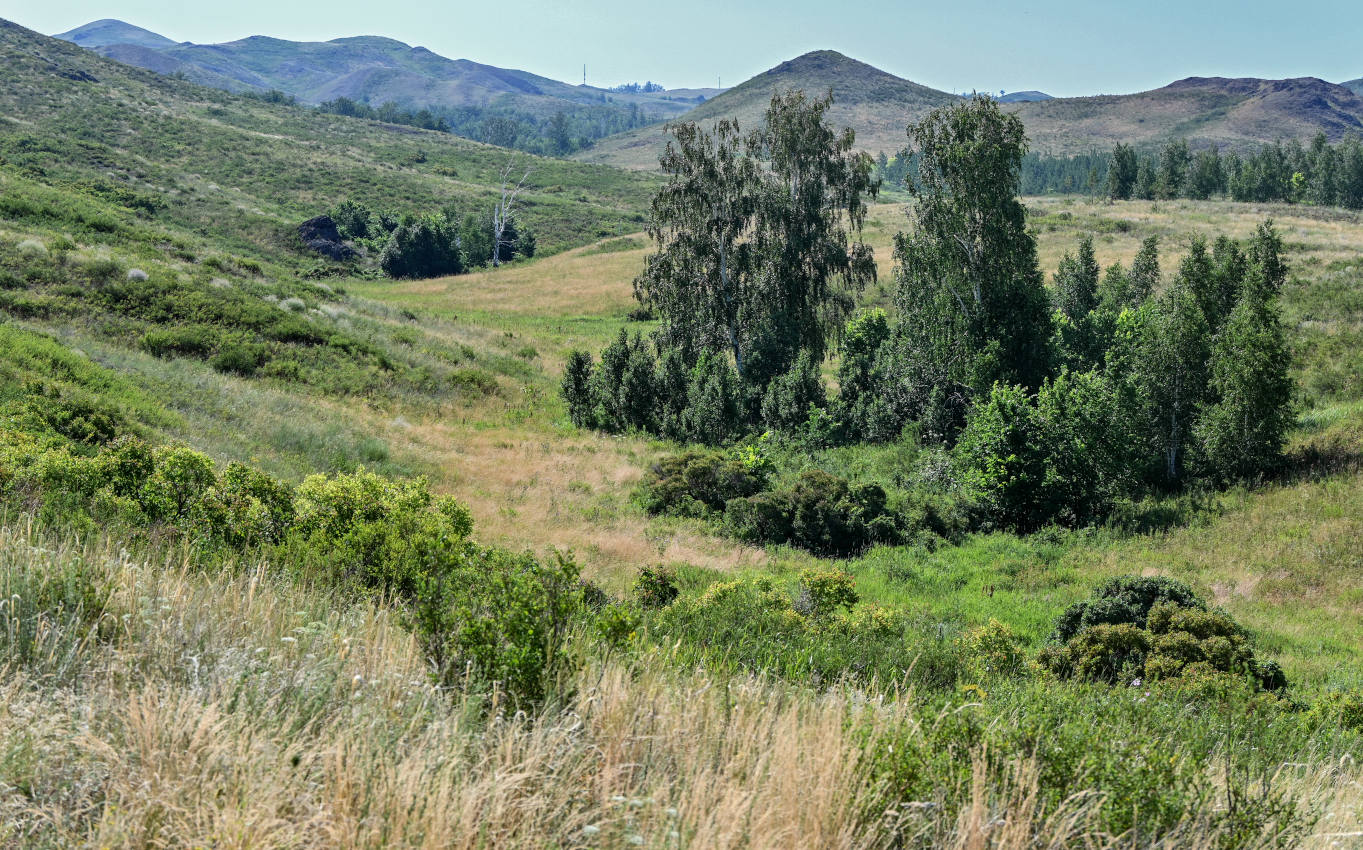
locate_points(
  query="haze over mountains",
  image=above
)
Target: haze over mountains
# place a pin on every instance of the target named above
(1232, 113)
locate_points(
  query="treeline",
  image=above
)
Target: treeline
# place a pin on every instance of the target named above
(1053, 406)
(389, 113)
(445, 243)
(559, 134)
(1319, 174)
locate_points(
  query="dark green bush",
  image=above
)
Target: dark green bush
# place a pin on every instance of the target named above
(1124, 600)
(1154, 629)
(819, 512)
(698, 481)
(239, 358)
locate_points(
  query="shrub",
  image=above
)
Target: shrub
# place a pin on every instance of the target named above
(822, 593)
(1155, 629)
(487, 618)
(365, 532)
(655, 587)
(238, 358)
(1124, 600)
(698, 481)
(819, 512)
(424, 247)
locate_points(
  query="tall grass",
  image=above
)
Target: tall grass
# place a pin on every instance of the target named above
(154, 705)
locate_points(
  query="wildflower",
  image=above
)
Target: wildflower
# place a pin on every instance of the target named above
(289, 639)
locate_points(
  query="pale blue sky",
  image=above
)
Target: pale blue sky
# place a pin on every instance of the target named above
(1064, 47)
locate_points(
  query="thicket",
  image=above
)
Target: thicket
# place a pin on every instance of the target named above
(813, 510)
(411, 246)
(76, 453)
(1054, 405)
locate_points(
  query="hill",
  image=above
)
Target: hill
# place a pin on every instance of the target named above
(250, 169)
(107, 31)
(375, 70)
(877, 104)
(1355, 86)
(1023, 96)
(1235, 113)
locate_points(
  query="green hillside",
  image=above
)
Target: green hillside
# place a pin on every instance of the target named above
(248, 170)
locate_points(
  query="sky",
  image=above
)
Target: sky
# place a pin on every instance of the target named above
(1062, 47)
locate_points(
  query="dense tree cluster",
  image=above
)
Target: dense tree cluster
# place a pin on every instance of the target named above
(1320, 174)
(413, 246)
(1056, 404)
(759, 259)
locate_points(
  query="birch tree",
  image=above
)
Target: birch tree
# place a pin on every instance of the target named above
(504, 210)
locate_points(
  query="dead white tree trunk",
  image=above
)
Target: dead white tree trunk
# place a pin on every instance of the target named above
(504, 209)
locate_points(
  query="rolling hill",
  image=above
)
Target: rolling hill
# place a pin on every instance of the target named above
(366, 68)
(877, 104)
(252, 169)
(1355, 86)
(1236, 113)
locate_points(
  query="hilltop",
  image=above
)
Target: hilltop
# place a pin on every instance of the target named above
(1236, 113)
(1355, 86)
(877, 104)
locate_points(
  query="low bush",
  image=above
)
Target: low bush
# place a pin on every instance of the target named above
(698, 482)
(1154, 629)
(818, 512)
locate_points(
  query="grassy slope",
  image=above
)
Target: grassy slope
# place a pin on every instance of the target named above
(246, 171)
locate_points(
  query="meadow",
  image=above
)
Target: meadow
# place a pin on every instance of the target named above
(162, 687)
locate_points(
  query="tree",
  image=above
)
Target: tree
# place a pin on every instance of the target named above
(1173, 170)
(1241, 431)
(759, 239)
(1076, 282)
(503, 213)
(559, 139)
(1121, 173)
(1207, 176)
(1144, 276)
(1172, 370)
(967, 280)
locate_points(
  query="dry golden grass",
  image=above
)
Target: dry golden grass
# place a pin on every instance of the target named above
(241, 711)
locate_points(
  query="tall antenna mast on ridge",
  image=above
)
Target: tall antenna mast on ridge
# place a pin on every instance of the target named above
(584, 73)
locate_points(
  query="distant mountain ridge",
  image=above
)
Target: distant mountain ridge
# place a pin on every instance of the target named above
(1355, 86)
(369, 69)
(1023, 96)
(1231, 113)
